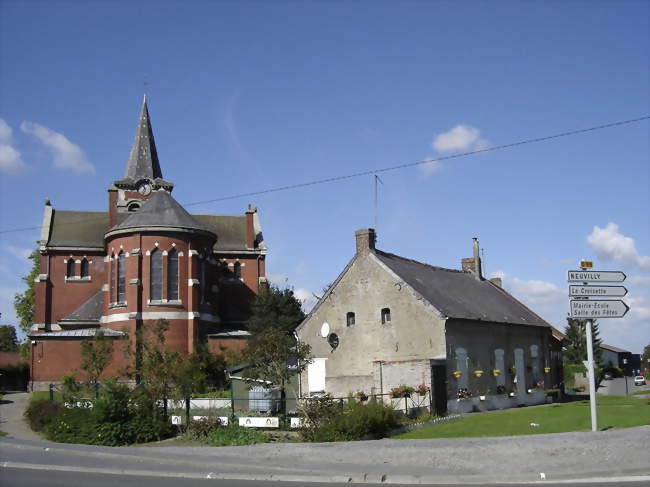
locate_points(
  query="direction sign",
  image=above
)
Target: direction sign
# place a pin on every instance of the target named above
(597, 291)
(596, 276)
(599, 308)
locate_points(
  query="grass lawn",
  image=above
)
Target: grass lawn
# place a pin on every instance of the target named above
(613, 412)
(45, 395)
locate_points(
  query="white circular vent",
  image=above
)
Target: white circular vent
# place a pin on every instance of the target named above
(325, 330)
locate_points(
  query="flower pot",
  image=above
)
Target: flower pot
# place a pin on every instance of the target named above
(457, 374)
(496, 373)
(478, 373)
(482, 398)
(422, 393)
(547, 370)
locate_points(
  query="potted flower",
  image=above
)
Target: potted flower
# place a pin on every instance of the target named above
(463, 393)
(547, 370)
(513, 369)
(401, 391)
(513, 392)
(422, 389)
(478, 373)
(457, 374)
(361, 396)
(496, 372)
(539, 384)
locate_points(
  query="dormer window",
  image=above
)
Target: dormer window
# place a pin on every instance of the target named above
(385, 316)
(349, 318)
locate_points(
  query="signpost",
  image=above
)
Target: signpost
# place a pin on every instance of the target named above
(597, 291)
(589, 309)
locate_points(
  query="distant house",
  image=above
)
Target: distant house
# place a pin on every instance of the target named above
(624, 359)
(389, 320)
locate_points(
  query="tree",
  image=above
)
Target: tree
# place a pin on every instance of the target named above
(24, 303)
(275, 308)
(96, 354)
(8, 339)
(645, 360)
(273, 352)
(575, 351)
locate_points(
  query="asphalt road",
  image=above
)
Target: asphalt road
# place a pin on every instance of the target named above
(616, 387)
(36, 478)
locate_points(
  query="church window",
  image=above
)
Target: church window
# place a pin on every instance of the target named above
(237, 270)
(70, 268)
(385, 316)
(156, 275)
(113, 279)
(203, 281)
(133, 207)
(172, 275)
(84, 268)
(350, 318)
(121, 278)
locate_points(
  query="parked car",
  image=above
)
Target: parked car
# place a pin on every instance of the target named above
(639, 380)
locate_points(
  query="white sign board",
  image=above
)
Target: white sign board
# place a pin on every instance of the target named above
(259, 422)
(598, 291)
(600, 308)
(595, 276)
(296, 422)
(176, 420)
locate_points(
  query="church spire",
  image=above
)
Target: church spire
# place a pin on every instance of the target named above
(143, 160)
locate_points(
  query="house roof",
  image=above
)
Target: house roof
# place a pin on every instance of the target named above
(160, 211)
(613, 348)
(89, 312)
(557, 334)
(458, 294)
(80, 333)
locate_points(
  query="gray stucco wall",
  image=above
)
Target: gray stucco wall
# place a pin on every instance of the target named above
(480, 341)
(415, 331)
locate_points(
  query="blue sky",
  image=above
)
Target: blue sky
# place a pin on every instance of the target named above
(246, 96)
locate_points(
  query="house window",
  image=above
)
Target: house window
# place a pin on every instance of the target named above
(84, 268)
(172, 275)
(121, 278)
(385, 316)
(70, 268)
(156, 275)
(349, 318)
(237, 270)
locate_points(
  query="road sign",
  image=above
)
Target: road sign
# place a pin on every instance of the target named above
(596, 276)
(598, 291)
(598, 308)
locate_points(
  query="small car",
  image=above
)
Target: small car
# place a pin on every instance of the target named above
(639, 380)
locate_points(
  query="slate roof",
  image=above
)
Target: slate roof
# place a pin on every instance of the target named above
(231, 230)
(458, 294)
(613, 348)
(89, 312)
(161, 210)
(80, 333)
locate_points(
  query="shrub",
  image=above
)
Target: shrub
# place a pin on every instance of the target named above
(235, 435)
(74, 425)
(42, 412)
(112, 406)
(201, 428)
(354, 422)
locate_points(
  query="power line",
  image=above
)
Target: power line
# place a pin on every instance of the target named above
(384, 169)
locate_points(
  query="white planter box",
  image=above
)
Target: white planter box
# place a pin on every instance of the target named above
(259, 422)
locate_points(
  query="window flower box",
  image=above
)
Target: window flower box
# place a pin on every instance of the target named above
(401, 391)
(547, 370)
(496, 372)
(457, 374)
(478, 373)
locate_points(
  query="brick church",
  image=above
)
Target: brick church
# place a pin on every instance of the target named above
(146, 258)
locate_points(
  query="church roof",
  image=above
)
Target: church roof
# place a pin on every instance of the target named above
(88, 313)
(160, 211)
(458, 294)
(79, 333)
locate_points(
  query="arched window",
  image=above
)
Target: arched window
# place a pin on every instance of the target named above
(121, 278)
(237, 270)
(113, 279)
(349, 318)
(172, 275)
(70, 268)
(203, 281)
(133, 207)
(84, 268)
(156, 275)
(385, 316)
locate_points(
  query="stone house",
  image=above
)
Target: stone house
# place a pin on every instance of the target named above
(146, 258)
(388, 320)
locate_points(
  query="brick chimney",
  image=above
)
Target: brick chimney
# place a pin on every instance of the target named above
(250, 226)
(366, 238)
(473, 264)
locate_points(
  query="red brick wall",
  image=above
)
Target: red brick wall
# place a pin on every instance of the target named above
(10, 358)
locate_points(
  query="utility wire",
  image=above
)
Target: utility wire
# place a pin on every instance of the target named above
(381, 170)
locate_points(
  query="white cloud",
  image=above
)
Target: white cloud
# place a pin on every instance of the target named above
(10, 158)
(307, 299)
(536, 292)
(641, 281)
(460, 138)
(67, 155)
(611, 245)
